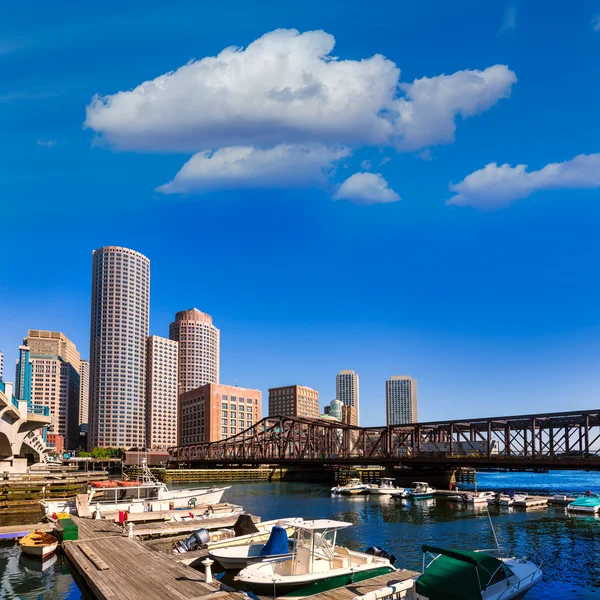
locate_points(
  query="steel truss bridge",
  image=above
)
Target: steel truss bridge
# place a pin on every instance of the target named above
(566, 440)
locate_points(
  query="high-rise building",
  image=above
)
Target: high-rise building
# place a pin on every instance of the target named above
(162, 390)
(214, 412)
(334, 410)
(84, 394)
(401, 400)
(346, 385)
(198, 348)
(118, 338)
(23, 375)
(349, 415)
(56, 381)
(294, 401)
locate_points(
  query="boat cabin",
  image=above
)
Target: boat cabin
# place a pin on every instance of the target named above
(386, 482)
(419, 485)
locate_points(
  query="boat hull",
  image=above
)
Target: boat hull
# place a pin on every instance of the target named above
(420, 496)
(299, 589)
(384, 491)
(588, 510)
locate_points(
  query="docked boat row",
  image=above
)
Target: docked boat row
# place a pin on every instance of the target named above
(302, 557)
(386, 487)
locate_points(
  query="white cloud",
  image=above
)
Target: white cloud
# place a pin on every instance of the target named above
(48, 144)
(365, 165)
(425, 155)
(596, 23)
(509, 23)
(247, 167)
(286, 88)
(366, 188)
(495, 186)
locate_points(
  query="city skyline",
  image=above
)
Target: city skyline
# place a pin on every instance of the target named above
(426, 205)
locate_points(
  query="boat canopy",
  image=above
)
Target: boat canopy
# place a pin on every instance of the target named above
(457, 574)
(319, 524)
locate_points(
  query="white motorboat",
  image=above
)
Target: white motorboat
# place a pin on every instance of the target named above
(316, 564)
(479, 497)
(354, 486)
(473, 574)
(261, 533)
(136, 497)
(238, 557)
(420, 489)
(386, 487)
(508, 499)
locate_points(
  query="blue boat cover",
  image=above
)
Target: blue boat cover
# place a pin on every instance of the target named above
(277, 543)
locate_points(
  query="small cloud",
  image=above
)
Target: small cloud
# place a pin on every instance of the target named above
(246, 167)
(48, 144)
(366, 188)
(596, 23)
(365, 165)
(384, 160)
(509, 22)
(496, 186)
(425, 155)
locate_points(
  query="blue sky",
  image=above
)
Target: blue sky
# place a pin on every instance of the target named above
(491, 301)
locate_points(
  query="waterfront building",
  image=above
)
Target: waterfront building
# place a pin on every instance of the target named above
(334, 410)
(294, 401)
(161, 396)
(347, 391)
(199, 351)
(401, 400)
(118, 338)
(56, 381)
(349, 415)
(84, 395)
(213, 412)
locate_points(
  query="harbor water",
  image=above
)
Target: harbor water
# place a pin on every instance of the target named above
(569, 546)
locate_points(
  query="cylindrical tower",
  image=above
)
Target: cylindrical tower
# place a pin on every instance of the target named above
(198, 349)
(119, 329)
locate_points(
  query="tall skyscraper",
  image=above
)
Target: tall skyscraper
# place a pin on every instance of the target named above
(84, 395)
(294, 401)
(346, 385)
(56, 380)
(401, 400)
(161, 396)
(118, 338)
(198, 348)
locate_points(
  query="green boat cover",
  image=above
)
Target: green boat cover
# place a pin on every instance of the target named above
(457, 574)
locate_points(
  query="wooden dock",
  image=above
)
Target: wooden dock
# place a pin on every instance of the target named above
(364, 587)
(532, 502)
(15, 532)
(113, 566)
(171, 528)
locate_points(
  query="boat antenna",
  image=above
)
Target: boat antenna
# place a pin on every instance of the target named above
(487, 510)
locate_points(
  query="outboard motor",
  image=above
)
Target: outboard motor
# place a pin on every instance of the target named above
(199, 538)
(376, 551)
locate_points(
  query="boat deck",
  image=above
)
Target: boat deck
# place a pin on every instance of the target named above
(113, 566)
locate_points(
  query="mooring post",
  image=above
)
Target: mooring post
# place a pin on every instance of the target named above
(207, 562)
